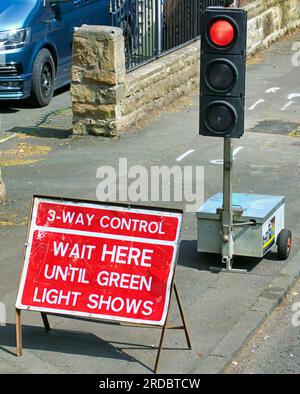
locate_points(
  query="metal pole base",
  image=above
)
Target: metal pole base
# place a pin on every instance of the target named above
(226, 260)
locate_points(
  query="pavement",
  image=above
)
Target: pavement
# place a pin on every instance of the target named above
(275, 347)
(222, 310)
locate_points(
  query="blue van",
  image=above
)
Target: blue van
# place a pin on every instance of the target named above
(36, 44)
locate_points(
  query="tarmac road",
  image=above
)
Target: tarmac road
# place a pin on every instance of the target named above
(222, 310)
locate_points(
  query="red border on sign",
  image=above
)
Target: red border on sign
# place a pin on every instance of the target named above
(102, 221)
(60, 260)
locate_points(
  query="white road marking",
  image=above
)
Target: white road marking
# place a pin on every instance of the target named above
(236, 151)
(284, 107)
(218, 161)
(221, 161)
(179, 158)
(293, 95)
(272, 90)
(255, 104)
(8, 138)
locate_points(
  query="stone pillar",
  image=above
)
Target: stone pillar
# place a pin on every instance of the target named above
(2, 190)
(98, 80)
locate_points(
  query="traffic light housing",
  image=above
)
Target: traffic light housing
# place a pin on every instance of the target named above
(222, 72)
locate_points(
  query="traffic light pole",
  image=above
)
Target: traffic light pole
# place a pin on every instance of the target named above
(227, 216)
(227, 212)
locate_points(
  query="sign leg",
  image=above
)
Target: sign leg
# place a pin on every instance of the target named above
(160, 346)
(19, 332)
(46, 321)
(187, 335)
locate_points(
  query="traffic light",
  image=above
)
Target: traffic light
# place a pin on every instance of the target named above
(222, 72)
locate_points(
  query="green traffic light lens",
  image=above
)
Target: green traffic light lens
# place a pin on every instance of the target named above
(221, 75)
(220, 118)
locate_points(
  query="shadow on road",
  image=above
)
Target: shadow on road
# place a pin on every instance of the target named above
(75, 342)
(67, 342)
(42, 132)
(189, 257)
(12, 106)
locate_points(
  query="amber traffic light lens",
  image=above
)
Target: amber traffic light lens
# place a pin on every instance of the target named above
(221, 33)
(221, 75)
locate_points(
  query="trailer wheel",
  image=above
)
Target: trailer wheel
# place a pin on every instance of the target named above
(43, 79)
(284, 243)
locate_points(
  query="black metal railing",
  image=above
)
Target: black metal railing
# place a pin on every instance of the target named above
(154, 27)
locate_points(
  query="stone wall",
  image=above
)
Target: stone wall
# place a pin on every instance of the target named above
(107, 101)
(158, 84)
(269, 20)
(98, 80)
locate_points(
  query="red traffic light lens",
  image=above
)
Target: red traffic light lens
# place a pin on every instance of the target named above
(221, 33)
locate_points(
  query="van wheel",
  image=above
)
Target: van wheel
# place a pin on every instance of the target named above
(43, 79)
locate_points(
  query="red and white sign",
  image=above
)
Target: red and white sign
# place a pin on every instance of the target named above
(100, 261)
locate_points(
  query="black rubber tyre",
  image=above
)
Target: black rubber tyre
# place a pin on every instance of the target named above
(284, 243)
(43, 79)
